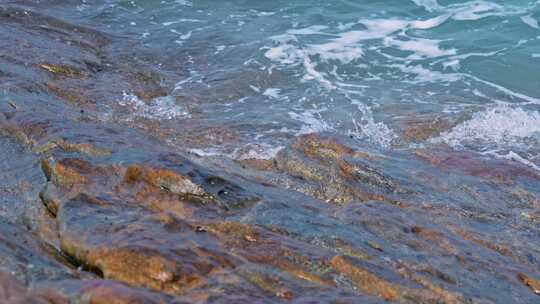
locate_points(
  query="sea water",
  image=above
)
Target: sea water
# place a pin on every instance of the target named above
(271, 70)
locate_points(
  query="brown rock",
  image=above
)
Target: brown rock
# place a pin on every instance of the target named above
(372, 284)
(83, 148)
(165, 179)
(23, 256)
(328, 170)
(61, 70)
(532, 283)
(96, 292)
(367, 281)
(314, 146)
(130, 245)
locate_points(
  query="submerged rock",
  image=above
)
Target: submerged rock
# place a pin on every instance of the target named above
(13, 292)
(96, 292)
(334, 172)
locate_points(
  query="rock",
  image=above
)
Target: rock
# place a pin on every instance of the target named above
(125, 218)
(23, 256)
(375, 285)
(367, 281)
(11, 130)
(67, 172)
(532, 283)
(133, 246)
(258, 164)
(165, 179)
(12, 292)
(61, 70)
(272, 286)
(333, 172)
(74, 96)
(267, 248)
(314, 146)
(497, 170)
(83, 148)
(145, 83)
(97, 292)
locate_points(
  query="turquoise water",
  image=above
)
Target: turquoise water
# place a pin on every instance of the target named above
(270, 70)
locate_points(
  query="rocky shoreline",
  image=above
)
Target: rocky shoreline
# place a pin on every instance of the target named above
(96, 210)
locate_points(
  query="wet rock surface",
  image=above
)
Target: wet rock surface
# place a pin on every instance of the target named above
(95, 211)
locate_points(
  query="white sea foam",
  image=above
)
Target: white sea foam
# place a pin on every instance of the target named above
(529, 99)
(471, 10)
(367, 128)
(205, 152)
(184, 2)
(476, 10)
(256, 151)
(430, 23)
(429, 5)
(250, 151)
(272, 93)
(423, 75)
(348, 44)
(312, 120)
(346, 48)
(164, 108)
(479, 9)
(169, 23)
(513, 156)
(182, 36)
(530, 21)
(285, 52)
(499, 125)
(421, 48)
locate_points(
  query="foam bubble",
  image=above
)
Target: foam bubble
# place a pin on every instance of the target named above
(499, 125)
(250, 151)
(346, 47)
(285, 52)
(367, 128)
(312, 120)
(164, 108)
(272, 93)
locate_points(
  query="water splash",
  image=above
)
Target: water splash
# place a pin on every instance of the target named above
(164, 108)
(501, 125)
